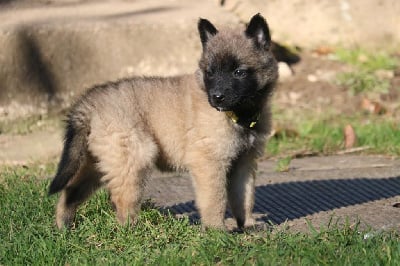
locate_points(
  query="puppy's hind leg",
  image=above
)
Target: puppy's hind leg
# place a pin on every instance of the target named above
(241, 182)
(127, 196)
(76, 177)
(84, 183)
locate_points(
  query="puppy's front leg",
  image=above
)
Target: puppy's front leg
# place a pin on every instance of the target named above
(210, 185)
(241, 182)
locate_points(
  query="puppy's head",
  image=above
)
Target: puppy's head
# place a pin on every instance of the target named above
(237, 68)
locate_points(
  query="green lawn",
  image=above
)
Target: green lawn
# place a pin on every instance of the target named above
(325, 136)
(29, 237)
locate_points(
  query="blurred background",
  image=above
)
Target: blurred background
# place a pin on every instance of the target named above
(339, 84)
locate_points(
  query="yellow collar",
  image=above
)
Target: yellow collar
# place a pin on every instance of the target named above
(235, 119)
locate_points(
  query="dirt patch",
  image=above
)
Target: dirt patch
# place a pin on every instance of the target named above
(314, 87)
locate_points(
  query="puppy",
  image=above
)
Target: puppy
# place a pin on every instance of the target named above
(213, 124)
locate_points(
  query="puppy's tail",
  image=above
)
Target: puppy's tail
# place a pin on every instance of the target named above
(73, 155)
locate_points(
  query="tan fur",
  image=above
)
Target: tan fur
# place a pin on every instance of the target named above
(135, 125)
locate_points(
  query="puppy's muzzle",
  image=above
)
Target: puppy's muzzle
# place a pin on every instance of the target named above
(218, 98)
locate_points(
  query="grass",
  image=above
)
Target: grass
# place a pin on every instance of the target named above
(363, 81)
(309, 133)
(26, 125)
(366, 60)
(364, 77)
(326, 136)
(28, 236)
(283, 164)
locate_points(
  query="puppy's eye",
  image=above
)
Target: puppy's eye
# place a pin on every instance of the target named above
(240, 73)
(209, 73)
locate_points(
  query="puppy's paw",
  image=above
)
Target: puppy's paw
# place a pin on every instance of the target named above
(253, 226)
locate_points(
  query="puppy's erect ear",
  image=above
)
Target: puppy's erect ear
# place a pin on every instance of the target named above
(258, 30)
(206, 30)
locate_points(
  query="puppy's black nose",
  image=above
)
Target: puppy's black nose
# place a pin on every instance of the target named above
(218, 97)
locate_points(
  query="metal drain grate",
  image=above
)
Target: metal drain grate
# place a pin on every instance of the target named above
(287, 201)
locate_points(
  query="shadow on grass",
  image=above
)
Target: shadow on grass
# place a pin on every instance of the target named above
(287, 201)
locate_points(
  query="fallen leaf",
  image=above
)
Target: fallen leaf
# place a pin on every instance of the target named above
(323, 50)
(350, 137)
(372, 107)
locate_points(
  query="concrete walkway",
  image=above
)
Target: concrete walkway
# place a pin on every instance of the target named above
(365, 188)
